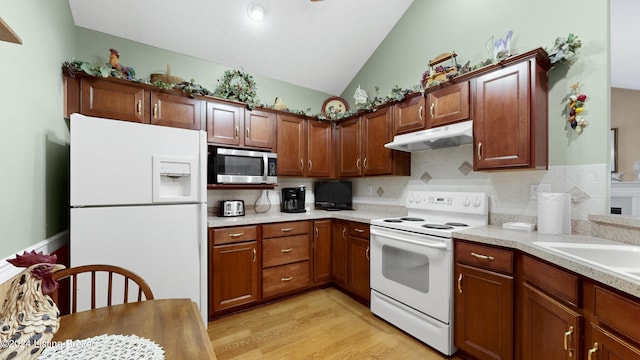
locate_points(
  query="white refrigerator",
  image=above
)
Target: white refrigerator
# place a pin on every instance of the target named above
(138, 200)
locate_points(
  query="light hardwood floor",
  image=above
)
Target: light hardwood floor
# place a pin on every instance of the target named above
(322, 324)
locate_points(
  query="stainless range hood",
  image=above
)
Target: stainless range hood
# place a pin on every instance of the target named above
(434, 138)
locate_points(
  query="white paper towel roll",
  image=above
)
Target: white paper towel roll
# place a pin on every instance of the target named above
(554, 213)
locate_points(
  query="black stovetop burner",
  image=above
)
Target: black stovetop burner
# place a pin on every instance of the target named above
(393, 220)
(438, 226)
(411, 219)
(456, 224)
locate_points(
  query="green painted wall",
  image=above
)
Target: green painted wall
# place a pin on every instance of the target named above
(33, 134)
(429, 28)
(93, 47)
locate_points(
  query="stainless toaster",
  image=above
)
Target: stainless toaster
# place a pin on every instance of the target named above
(230, 208)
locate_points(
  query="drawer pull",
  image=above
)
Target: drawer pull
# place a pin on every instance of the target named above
(358, 230)
(286, 229)
(285, 279)
(593, 350)
(460, 283)
(567, 336)
(286, 250)
(235, 235)
(483, 257)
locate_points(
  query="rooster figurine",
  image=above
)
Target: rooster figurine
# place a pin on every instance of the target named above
(28, 317)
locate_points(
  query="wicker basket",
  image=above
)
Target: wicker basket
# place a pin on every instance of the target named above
(166, 78)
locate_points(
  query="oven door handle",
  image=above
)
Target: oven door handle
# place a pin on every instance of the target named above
(419, 243)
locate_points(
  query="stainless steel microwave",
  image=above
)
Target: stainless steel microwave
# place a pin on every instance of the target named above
(239, 166)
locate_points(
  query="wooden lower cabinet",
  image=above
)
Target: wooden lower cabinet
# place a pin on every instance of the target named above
(604, 345)
(339, 251)
(321, 251)
(358, 262)
(484, 302)
(286, 264)
(234, 276)
(484, 313)
(550, 330)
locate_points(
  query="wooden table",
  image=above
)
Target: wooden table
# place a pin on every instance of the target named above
(174, 324)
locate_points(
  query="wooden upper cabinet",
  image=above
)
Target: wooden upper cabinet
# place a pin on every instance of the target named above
(377, 131)
(292, 144)
(320, 159)
(177, 111)
(113, 100)
(223, 124)
(259, 129)
(510, 117)
(409, 115)
(448, 105)
(348, 146)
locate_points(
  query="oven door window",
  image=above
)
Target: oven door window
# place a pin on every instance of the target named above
(405, 267)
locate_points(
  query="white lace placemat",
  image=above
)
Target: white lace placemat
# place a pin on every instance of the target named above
(107, 347)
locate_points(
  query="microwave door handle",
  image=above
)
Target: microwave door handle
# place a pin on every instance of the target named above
(419, 243)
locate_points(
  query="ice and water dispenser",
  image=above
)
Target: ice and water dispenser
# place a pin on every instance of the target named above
(175, 179)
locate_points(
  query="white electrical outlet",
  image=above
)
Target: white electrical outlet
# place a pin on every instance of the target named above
(534, 189)
(533, 192)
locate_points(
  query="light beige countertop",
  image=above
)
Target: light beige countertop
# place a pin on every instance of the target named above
(492, 235)
(524, 241)
(274, 216)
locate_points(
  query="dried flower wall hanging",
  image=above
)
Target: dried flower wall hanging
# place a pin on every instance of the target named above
(576, 108)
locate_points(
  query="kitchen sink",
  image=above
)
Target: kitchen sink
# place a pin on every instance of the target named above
(620, 258)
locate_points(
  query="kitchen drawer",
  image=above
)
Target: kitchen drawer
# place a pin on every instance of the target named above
(359, 230)
(284, 278)
(285, 250)
(556, 282)
(617, 312)
(485, 257)
(285, 229)
(234, 234)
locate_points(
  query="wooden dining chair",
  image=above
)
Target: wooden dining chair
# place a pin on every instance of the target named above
(109, 275)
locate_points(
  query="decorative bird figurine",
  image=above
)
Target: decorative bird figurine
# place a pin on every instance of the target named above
(119, 70)
(28, 317)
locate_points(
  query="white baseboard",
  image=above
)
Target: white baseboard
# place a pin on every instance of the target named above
(47, 246)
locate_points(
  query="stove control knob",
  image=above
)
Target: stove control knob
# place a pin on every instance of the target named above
(410, 199)
(467, 202)
(477, 202)
(418, 199)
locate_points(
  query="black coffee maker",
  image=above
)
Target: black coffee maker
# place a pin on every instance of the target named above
(293, 200)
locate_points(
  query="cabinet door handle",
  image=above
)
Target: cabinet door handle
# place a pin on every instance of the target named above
(460, 283)
(358, 230)
(155, 111)
(567, 336)
(431, 110)
(248, 132)
(286, 229)
(310, 165)
(366, 253)
(344, 232)
(254, 254)
(364, 163)
(235, 235)
(358, 164)
(139, 107)
(237, 131)
(593, 350)
(480, 150)
(301, 164)
(286, 251)
(285, 279)
(420, 112)
(317, 233)
(483, 257)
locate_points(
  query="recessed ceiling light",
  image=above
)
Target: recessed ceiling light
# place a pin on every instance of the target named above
(257, 12)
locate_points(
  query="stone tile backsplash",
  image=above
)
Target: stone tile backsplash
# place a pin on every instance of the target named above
(450, 169)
